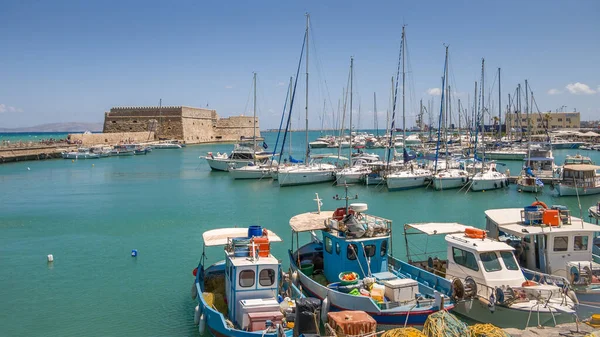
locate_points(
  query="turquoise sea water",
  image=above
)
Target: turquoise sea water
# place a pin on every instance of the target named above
(31, 136)
(91, 214)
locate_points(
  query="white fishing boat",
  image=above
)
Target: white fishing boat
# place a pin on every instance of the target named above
(164, 145)
(123, 150)
(487, 283)
(489, 179)
(81, 153)
(549, 240)
(579, 179)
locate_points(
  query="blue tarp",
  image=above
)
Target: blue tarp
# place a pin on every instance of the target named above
(292, 160)
(529, 172)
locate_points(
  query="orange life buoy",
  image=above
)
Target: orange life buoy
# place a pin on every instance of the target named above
(340, 213)
(475, 233)
(529, 283)
(540, 203)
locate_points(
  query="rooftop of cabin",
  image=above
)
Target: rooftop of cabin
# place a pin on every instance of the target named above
(240, 261)
(478, 245)
(510, 220)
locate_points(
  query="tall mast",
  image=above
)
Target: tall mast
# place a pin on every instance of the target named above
(306, 99)
(482, 107)
(375, 124)
(254, 123)
(350, 128)
(421, 116)
(403, 87)
(459, 135)
(289, 119)
(519, 110)
(527, 108)
(499, 107)
(475, 115)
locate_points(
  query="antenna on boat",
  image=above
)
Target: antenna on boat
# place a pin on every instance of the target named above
(337, 197)
(319, 203)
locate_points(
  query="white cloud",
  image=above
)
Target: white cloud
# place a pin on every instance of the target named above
(580, 89)
(5, 108)
(434, 91)
(229, 87)
(554, 92)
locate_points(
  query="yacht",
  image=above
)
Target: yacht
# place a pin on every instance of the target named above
(317, 171)
(408, 178)
(243, 154)
(489, 179)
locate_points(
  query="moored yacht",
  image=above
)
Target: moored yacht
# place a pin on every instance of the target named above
(490, 179)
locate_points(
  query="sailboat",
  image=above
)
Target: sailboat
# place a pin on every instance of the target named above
(317, 170)
(254, 169)
(448, 177)
(489, 178)
(410, 176)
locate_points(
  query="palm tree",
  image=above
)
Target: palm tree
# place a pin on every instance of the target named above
(547, 119)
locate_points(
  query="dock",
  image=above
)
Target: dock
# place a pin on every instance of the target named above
(35, 151)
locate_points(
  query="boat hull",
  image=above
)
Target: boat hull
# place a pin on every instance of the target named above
(244, 173)
(507, 317)
(566, 190)
(488, 184)
(405, 183)
(449, 183)
(218, 164)
(300, 177)
(80, 156)
(530, 188)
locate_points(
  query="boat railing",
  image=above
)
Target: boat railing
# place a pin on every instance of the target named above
(246, 248)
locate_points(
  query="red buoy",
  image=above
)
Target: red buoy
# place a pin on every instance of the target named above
(195, 272)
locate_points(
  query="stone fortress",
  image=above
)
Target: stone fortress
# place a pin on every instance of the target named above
(191, 125)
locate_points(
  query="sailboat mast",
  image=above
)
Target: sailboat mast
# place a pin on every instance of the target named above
(482, 107)
(459, 135)
(527, 117)
(499, 107)
(306, 99)
(254, 123)
(375, 124)
(403, 87)
(350, 128)
(289, 119)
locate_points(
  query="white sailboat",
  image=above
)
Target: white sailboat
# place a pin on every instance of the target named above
(315, 171)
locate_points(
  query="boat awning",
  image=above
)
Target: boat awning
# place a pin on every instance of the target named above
(581, 167)
(436, 228)
(219, 237)
(310, 221)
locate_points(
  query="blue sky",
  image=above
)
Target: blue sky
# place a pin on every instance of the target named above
(63, 61)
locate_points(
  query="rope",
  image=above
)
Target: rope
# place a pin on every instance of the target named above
(444, 324)
(487, 330)
(403, 332)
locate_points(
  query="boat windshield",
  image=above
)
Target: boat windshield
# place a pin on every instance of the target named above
(509, 260)
(490, 261)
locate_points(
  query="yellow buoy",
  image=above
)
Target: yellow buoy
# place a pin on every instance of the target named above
(72, 160)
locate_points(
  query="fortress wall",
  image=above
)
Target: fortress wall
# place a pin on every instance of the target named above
(110, 138)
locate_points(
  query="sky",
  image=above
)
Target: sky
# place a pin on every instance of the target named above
(70, 61)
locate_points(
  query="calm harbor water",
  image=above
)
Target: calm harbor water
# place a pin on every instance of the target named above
(91, 214)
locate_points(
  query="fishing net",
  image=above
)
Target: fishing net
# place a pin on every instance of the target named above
(487, 330)
(403, 332)
(216, 301)
(444, 324)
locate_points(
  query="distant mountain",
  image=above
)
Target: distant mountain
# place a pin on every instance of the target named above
(58, 127)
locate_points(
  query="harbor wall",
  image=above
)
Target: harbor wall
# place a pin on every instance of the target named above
(37, 152)
(191, 125)
(110, 138)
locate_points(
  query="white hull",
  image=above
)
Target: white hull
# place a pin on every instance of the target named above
(564, 190)
(250, 172)
(318, 145)
(488, 184)
(500, 155)
(77, 155)
(507, 317)
(305, 176)
(221, 164)
(447, 183)
(165, 146)
(405, 183)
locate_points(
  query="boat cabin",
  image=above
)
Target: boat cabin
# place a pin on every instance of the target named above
(251, 275)
(577, 159)
(581, 175)
(542, 167)
(469, 253)
(351, 241)
(549, 241)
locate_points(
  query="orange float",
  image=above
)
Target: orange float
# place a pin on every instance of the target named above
(475, 233)
(540, 204)
(529, 283)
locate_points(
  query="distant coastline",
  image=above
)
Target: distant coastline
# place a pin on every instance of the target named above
(57, 127)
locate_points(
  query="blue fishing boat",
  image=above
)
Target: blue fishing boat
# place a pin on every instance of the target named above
(360, 272)
(240, 296)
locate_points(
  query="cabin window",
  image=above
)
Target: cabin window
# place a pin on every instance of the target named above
(580, 243)
(337, 248)
(490, 261)
(509, 260)
(328, 244)
(247, 278)
(464, 258)
(266, 277)
(370, 250)
(351, 251)
(561, 243)
(383, 250)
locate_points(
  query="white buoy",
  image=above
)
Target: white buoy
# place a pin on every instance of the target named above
(202, 324)
(50, 258)
(197, 315)
(28, 169)
(194, 291)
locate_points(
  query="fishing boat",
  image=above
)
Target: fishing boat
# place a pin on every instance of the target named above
(483, 278)
(239, 296)
(360, 273)
(81, 153)
(123, 150)
(142, 150)
(244, 153)
(579, 179)
(551, 241)
(167, 144)
(594, 213)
